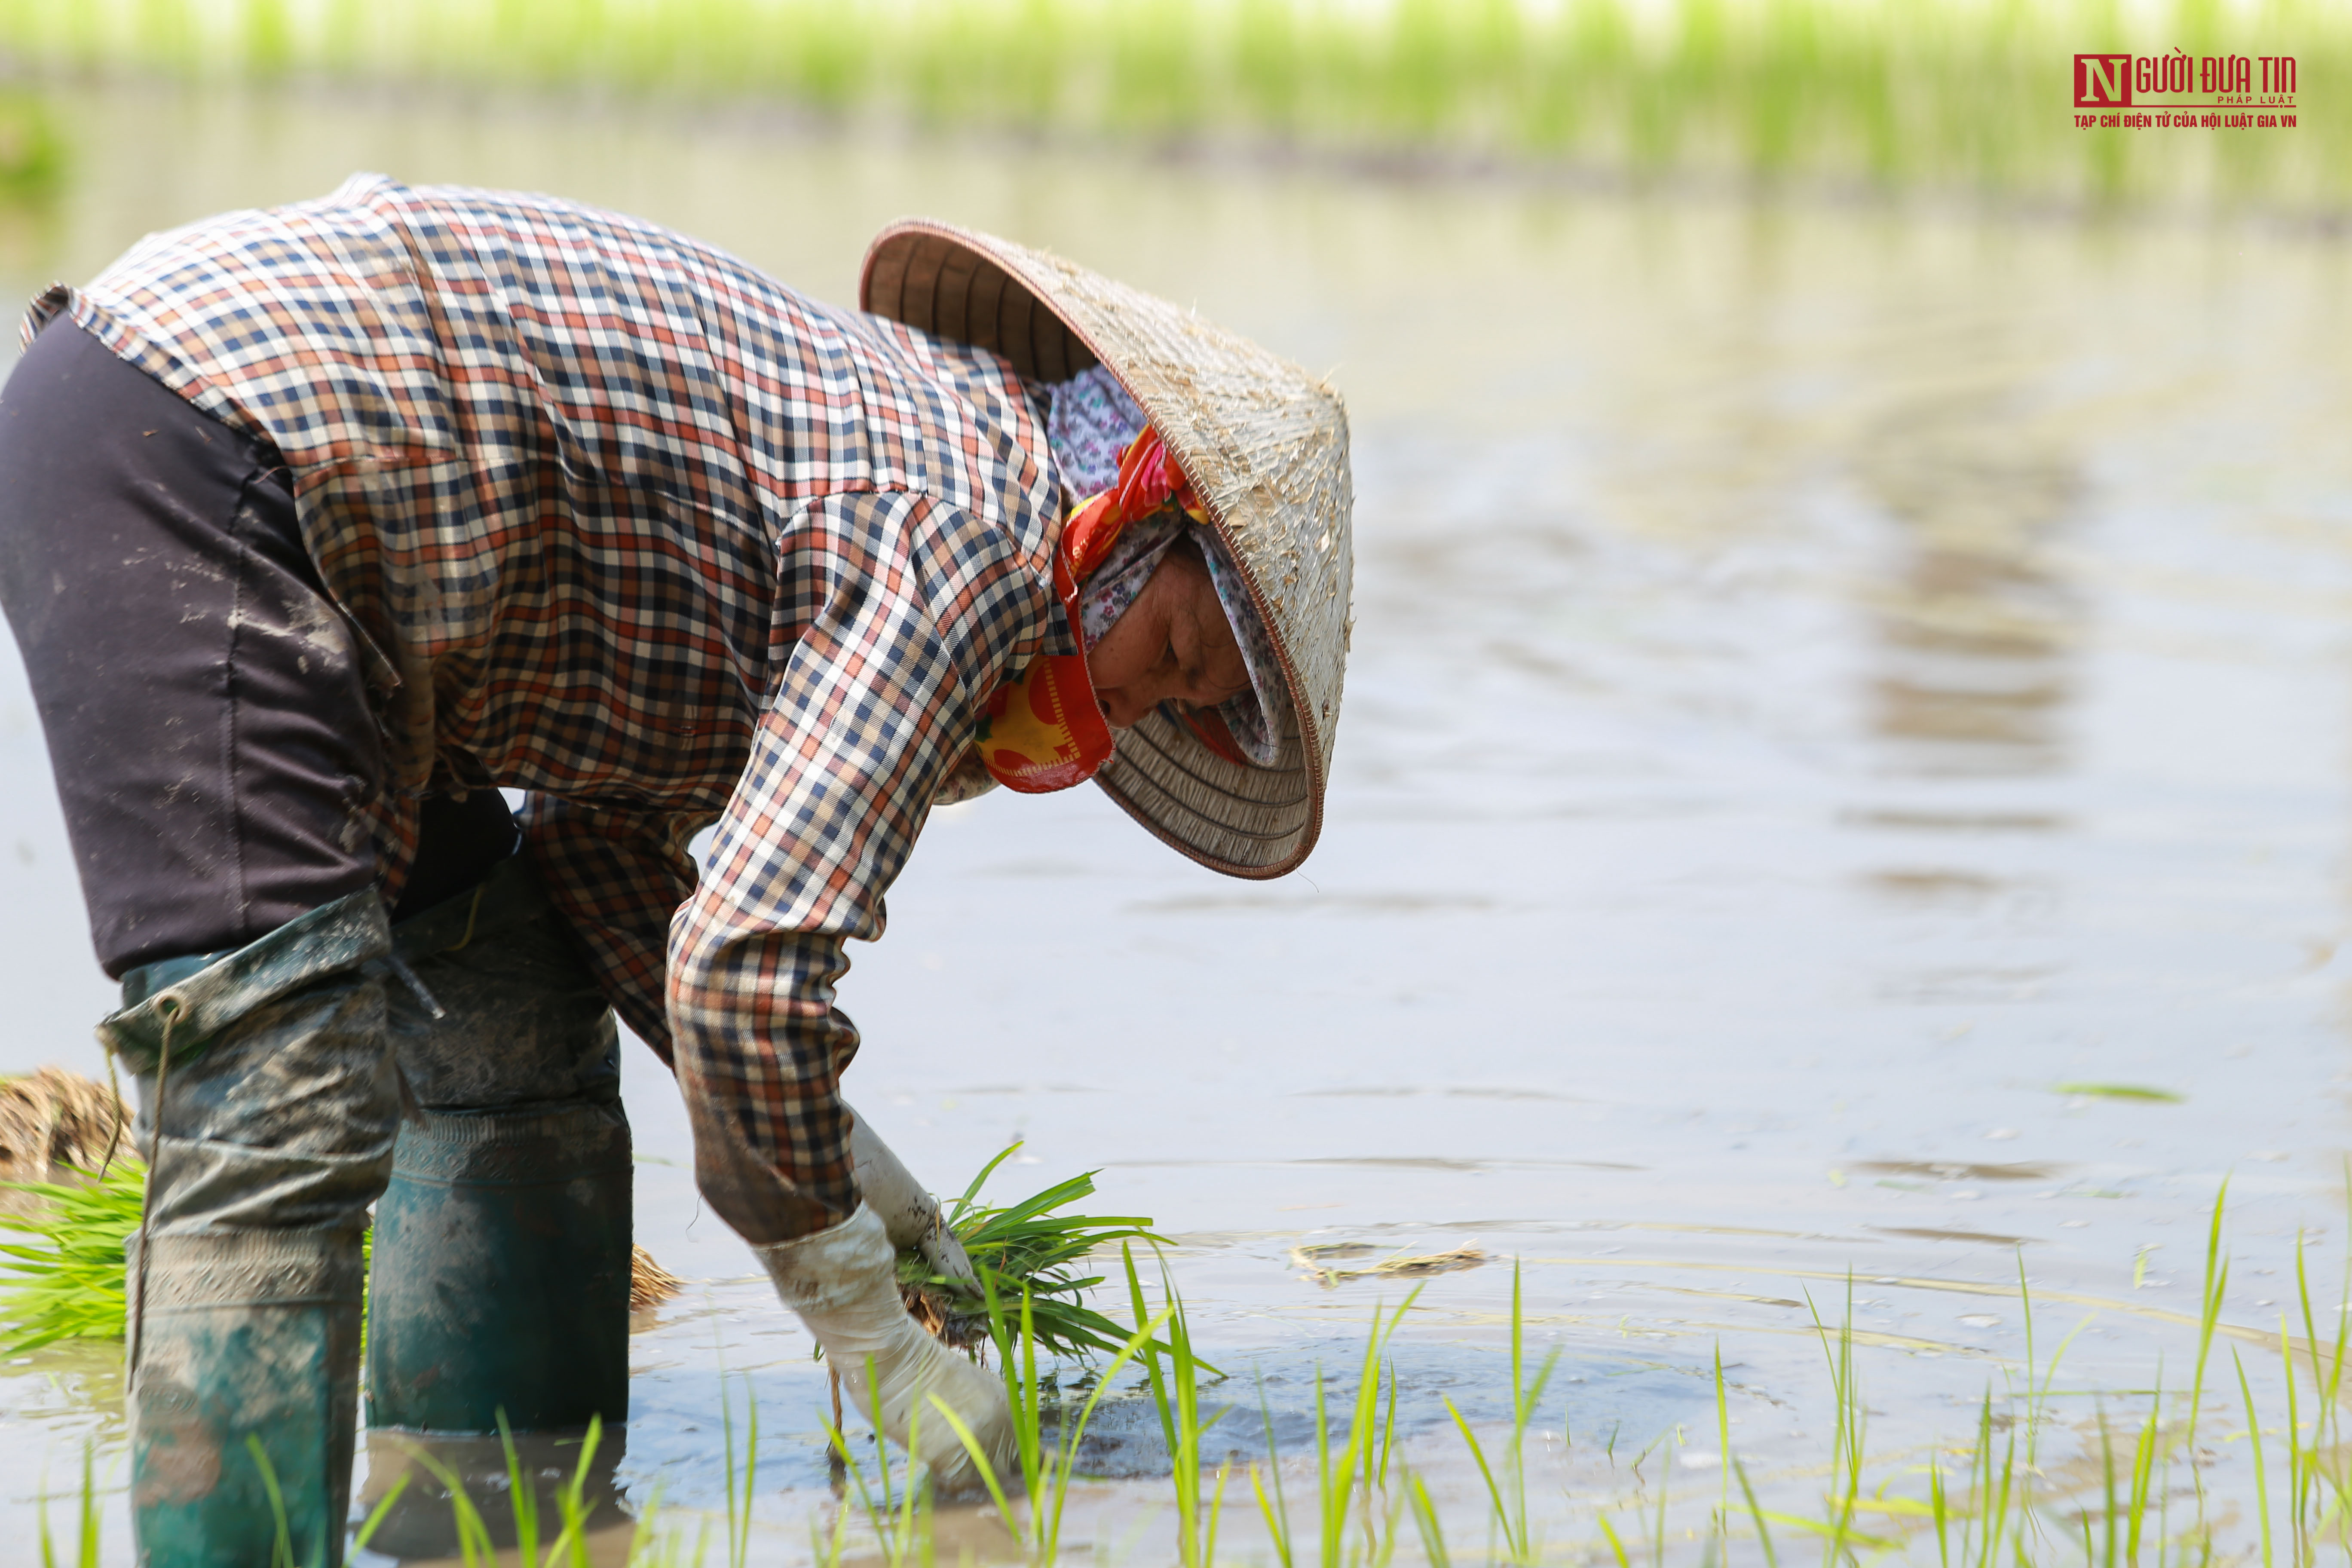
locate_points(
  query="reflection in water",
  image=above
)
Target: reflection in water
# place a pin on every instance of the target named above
(1975, 626)
(1958, 821)
(1964, 892)
(424, 1520)
(1578, 966)
(1930, 1233)
(1959, 1171)
(1969, 985)
(1593, 1388)
(1973, 639)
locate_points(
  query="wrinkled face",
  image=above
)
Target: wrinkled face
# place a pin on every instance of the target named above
(1173, 643)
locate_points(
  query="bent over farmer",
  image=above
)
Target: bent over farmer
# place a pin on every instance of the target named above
(321, 527)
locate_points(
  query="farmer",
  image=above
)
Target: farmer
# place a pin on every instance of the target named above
(321, 526)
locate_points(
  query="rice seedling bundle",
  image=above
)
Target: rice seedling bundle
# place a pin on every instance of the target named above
(63, 1276)
(56, 1127)
(1035, 1248)
(1967, 94)
(69, 1269)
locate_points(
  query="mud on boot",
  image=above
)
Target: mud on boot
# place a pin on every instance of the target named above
(501, 1264)
(243, 1397)
(268, 1109)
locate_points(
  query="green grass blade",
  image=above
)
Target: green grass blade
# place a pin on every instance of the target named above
(2254, 1436)
(376, 1515)
(1426, 1522)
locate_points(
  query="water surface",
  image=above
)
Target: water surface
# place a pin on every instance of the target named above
(1826, 679)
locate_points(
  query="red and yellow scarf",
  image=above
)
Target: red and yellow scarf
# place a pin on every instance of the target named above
(1045, 731)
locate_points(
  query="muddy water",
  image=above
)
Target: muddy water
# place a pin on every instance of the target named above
(1829, 686)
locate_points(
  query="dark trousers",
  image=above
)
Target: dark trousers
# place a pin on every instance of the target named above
(216, 755)
(207, 718)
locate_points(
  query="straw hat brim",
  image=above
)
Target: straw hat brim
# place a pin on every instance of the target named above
(1266, 445)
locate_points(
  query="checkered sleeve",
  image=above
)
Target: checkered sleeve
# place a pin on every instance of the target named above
(618, 876)
(915, 611)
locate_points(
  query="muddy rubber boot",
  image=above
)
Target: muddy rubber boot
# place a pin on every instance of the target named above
(502, 1267)
(267, 1108)
(502, 1274)
(249, 1338)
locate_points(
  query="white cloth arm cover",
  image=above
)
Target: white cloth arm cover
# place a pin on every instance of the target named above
(910, 1215)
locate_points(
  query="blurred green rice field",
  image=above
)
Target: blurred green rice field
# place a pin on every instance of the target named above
(1843, 95)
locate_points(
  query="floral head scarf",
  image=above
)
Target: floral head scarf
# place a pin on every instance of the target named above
(1044, 730)
(1092, 424)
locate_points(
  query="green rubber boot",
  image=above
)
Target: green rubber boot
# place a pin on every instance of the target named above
(502, 1278)
(269, 1104)
(248, 1363)
(501, 1271)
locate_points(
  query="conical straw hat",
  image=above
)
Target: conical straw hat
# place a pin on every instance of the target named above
(1266, 445)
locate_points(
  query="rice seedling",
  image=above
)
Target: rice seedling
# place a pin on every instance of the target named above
(382, 1510)
(826, 1547)
(2001, 1501)
(1351, 1478)
(86, 1542)
(477, 1546)
(1046, 1470)
(1275, 1508)
(69, 1278)
(1031, 1250)
(1735, 1470)
(1427, 1524)
(1508, 1496)
(68, 1273)
(1848, 1434)
(898, 1513)
(1176, 1395)
(66, 1279)
(2320, 1463)
(281, 1554)
(281, 1550)
(738, 1525)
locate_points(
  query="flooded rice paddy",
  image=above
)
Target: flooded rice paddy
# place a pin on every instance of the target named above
(1844, 795)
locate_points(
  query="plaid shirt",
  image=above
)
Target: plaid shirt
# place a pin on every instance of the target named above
(624, 524)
